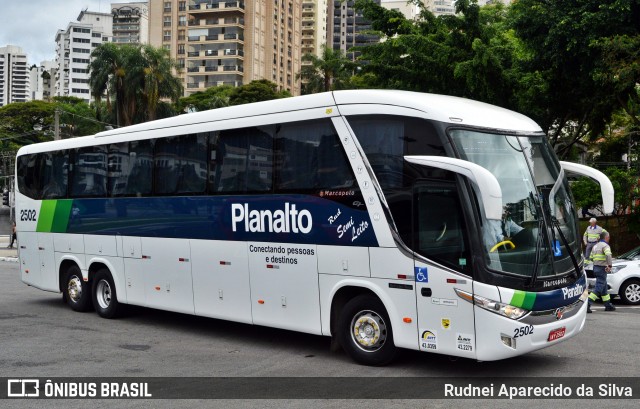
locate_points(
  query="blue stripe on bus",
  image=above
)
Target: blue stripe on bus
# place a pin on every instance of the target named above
(210, 217)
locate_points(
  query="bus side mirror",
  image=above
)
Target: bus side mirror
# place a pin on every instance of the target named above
(484, 183)
(606, 187)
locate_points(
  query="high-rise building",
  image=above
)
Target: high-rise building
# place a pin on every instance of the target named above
(230, 41)
(73, 52)
(41, 78)
(347, 28)
(130, 22)
(409, 10)
(444, 7)
(14, 75)
(314, 27)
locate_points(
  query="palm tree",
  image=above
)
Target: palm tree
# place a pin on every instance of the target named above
(332, 70)
(106, 77)
(135, 77)
(159, 81)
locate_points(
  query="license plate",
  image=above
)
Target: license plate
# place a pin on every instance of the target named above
(556, 334)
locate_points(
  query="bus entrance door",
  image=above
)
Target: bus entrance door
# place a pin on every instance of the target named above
(445, 321)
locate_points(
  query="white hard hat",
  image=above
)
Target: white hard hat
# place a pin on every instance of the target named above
(593, 219)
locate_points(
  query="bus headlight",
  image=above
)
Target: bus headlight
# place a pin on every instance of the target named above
(496, 307)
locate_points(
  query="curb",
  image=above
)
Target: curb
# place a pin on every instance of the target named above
(9, 259)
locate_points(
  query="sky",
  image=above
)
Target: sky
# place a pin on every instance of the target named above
(33, 24)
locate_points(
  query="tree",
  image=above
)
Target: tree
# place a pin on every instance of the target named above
(23, 123)
(159, 80)
(330, 71)
(256, 91)
(622, 53)
(469, 54)
(563, 62)
(77, 118)
(625, 184)
(211, 98)
(135, 77)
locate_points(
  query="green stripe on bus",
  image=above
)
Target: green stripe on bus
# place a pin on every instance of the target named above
(517, 299)
(529, 300)
(61, 216)
(45, 218)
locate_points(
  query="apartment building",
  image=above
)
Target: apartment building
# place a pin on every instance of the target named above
(410, 10)
(14, 75)
(41, 78)
(314, 27)
(347, 28)
(231, 42)
(73, 52)
(130, 22)
(448, 7)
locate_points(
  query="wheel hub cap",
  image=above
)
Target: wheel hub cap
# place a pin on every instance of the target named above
(633, 292)
(103, 294)
(368, 331)
(74, 289)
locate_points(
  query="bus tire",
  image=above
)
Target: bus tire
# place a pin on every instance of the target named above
(76, 291)
(364, 331)
(105, 297)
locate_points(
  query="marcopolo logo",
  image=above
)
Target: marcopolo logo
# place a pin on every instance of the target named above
(287, 220)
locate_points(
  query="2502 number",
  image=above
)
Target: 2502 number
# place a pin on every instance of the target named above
(28, 215)
(522, 331)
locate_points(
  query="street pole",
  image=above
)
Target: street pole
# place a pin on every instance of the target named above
(56, 132)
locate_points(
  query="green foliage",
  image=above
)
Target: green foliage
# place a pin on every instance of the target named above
(211, 98)
(134, 78)
(76, 117)
(256, 91)
(569, 65)
(469, 55)
(24, 123)
(572, 97)
(226, 95)
(328, 72)
(625, 184)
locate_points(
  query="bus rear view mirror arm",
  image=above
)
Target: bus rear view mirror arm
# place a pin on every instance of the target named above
(605, 184)
(485, 184)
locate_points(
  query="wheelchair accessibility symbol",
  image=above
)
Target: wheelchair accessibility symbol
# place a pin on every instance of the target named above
(421, 274)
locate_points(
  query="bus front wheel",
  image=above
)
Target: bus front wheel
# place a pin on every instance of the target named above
(364, 331)
(76, 291)
(105, 297)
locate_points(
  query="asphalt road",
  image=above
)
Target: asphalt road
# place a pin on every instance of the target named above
(41, 337)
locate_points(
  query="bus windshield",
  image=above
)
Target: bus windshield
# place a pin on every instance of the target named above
(527, 170)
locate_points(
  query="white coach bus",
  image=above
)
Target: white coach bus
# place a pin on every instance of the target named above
(385, 219)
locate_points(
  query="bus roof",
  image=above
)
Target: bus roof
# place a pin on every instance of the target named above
(441, 108)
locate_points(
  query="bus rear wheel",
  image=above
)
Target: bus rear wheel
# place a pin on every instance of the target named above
(76, 291)
(364, 331)
(105, 297)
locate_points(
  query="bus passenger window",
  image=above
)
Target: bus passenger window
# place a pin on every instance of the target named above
(89, 177)
(166, 162)
(54, 174)
(192, 176)
(29, 175)
(118, 168)
(310, 156)
(140, 165)
(244, 161)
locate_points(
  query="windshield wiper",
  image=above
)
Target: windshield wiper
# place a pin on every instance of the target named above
(555, 223)
(536, 263)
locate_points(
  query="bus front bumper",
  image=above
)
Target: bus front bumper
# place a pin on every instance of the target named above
(499, 337)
